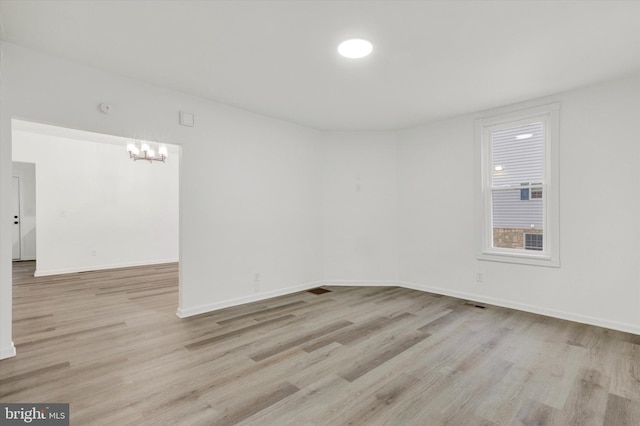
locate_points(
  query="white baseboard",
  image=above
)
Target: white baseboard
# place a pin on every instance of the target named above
(41, 273)
(584, 319)
(361, 283)
(202, 309)
(8, 352)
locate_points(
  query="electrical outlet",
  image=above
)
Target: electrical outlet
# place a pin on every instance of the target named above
(480, 277)
(256, 278)
(94, 253)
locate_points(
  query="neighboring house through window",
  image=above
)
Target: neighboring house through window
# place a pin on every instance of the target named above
(518, 155)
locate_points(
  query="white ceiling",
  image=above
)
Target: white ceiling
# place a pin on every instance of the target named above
(431, 59)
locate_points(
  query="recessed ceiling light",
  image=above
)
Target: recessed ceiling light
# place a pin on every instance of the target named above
(355, 48)
(524, 136)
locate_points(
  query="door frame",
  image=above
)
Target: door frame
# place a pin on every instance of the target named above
(15, 193)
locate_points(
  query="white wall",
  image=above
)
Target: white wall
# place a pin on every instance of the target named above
(252, 207)
(97, 209)
(599, 278)
(249, 184)
(27, 174)
(359, 207)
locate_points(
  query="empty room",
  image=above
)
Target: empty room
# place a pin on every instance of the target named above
(319, 212)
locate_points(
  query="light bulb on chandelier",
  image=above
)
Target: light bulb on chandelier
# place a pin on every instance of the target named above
(141, 150)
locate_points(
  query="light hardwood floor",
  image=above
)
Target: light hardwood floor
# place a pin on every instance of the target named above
(110, 344)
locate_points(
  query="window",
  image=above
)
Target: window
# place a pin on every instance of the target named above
(536, 193)
(533, 241)
(518, 157)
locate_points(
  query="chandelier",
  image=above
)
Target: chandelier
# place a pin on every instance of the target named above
(142, 150)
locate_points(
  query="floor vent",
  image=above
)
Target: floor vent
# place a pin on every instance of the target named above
(475, 305)
(319, 290)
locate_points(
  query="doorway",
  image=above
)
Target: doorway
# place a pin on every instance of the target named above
(23, 214)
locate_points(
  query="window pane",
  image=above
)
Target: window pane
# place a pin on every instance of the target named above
(517, 160)
(513, 217)
(518, 155)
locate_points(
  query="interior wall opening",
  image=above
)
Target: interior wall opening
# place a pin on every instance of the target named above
(97, 208)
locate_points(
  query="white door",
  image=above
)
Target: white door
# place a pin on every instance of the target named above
(15, 212)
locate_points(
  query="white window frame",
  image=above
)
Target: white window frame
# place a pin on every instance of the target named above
(550, 255)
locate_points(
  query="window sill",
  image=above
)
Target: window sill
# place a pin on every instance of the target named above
(520, 258)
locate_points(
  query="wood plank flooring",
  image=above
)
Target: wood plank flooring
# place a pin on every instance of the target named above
(110, 344)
